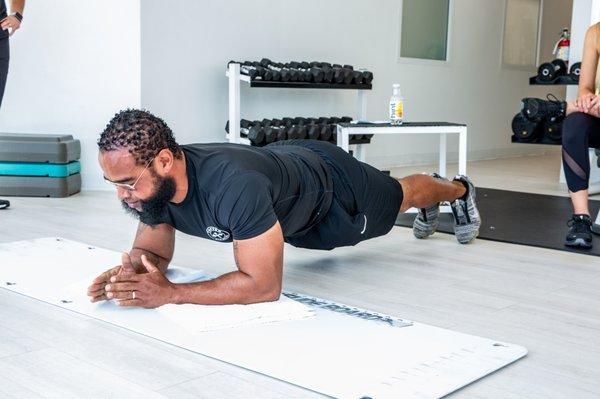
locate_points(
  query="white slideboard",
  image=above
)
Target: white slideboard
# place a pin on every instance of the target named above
(332, 353)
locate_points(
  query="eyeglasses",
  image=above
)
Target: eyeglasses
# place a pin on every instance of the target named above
(126, 186)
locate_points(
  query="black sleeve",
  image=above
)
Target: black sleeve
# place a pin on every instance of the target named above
(245, 206)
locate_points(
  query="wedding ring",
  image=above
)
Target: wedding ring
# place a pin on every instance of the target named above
(132, 294)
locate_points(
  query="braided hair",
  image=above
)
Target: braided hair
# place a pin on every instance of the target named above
(142, 133)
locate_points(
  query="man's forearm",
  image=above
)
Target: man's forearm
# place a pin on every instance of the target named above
(17, 6)
(136, 259)
(231, 288)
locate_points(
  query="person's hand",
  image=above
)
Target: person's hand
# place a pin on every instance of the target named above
(595, 107)
(96, 291)
(584, 102)
(10, 23)
(148, 290)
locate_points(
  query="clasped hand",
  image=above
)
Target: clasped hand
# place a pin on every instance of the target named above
(148, 289)
(588, 103)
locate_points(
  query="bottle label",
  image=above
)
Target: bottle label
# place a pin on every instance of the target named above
(396, 110)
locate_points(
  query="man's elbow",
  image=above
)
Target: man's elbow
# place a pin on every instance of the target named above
(269, 293)
(273, 296)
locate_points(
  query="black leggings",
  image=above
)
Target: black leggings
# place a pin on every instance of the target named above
(4, 57)
(580, 131)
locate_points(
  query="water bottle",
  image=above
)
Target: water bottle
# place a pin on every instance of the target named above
(396, 105)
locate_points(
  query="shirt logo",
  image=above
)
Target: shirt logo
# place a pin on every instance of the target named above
(217, 234)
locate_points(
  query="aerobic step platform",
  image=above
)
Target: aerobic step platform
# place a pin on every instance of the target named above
(39, 169)
(52, 148)
(37, 186)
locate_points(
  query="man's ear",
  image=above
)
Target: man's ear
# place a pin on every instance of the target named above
(164, 161)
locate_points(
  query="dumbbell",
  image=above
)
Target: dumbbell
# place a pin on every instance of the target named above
(549, 71)
(300, 121)
(326, 68)
(307, 74)
(281, 133)
(367, 77)
(297, 132)
(357, 77)
(285, 74)
(524, 129)
(266, 122)
(342, 75)
(287, 122)
(263, 73)
(244, 123)
(575, 70)
(265, 62)
(314, 132)
(251, 130)
(246, 70)
(553, 129)
(272, 133)
(327, 132)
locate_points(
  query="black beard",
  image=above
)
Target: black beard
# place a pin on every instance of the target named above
(154, 207)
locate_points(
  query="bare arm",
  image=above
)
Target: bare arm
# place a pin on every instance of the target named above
(589, 64)
(258, 279)
(17, 6)
(157, 243)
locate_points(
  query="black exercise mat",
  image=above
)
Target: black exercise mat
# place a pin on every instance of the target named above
(520, 218)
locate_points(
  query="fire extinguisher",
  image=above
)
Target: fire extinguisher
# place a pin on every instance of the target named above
(561, 49)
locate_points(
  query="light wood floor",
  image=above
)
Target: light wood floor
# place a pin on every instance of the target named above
(547, 301)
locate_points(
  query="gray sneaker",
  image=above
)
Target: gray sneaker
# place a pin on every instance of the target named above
(427, 220)
(466, 215)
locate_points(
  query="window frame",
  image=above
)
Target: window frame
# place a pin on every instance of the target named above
(528, 68)
(425, 61)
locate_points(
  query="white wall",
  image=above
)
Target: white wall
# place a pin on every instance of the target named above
(73, 64)
(183, 66)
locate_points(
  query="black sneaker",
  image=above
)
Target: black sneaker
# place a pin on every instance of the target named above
(536, 109)
(580, 232)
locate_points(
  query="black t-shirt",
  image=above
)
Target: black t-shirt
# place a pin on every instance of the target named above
(239, 192)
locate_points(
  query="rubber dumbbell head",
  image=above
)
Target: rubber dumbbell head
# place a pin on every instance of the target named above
(256, 134)
(524, 129)
(367, 77)
(575, 70)
(288, 122)
(300, 120)
(553, 130)
(314, 131)
(265, 62)
(549, 71)
(244, 124)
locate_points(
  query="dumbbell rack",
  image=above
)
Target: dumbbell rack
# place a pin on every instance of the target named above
(235, 77)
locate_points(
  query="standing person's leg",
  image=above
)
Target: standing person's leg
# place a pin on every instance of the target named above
(4, 57)
(580, 132)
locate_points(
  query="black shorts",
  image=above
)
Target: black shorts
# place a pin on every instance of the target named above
(365, 201)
